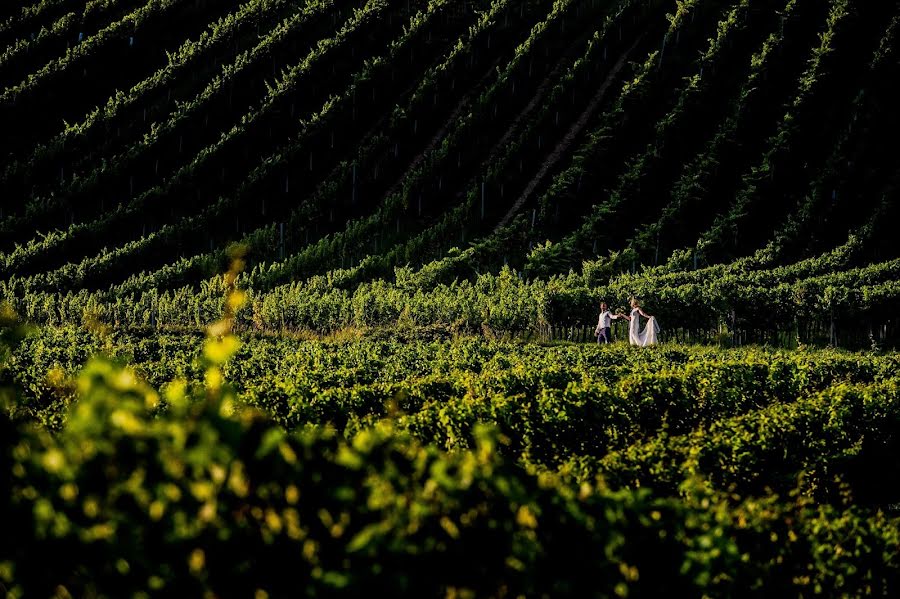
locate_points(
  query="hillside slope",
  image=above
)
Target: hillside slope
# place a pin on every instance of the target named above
(733, 141)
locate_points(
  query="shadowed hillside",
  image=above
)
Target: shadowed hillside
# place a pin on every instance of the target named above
(340, 141)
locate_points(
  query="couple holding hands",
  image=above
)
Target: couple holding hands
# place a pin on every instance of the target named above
(636, 336)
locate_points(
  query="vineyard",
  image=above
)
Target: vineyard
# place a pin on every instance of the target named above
(316, 282)
(456, 465)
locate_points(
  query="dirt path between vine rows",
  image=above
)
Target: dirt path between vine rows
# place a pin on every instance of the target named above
(442, 132)
(566, 142)
(539, 94)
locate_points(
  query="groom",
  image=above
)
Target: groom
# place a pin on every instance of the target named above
(604, 324)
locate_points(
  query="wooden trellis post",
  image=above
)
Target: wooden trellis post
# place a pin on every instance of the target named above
(482, 200)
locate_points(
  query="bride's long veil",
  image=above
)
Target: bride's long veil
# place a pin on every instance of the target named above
(651, 332)
(648, 336)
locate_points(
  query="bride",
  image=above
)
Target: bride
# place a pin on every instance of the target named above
(650, 334)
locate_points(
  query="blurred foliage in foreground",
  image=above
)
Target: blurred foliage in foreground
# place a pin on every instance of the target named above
(187, 491)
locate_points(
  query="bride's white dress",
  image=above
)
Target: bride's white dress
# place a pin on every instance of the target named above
(650, 334)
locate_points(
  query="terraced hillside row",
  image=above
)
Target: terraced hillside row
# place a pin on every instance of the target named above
(592, 146)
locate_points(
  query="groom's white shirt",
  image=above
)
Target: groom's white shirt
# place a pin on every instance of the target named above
(606, 319)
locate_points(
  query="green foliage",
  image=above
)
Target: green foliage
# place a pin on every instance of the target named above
(184, 492)
(433, 197)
